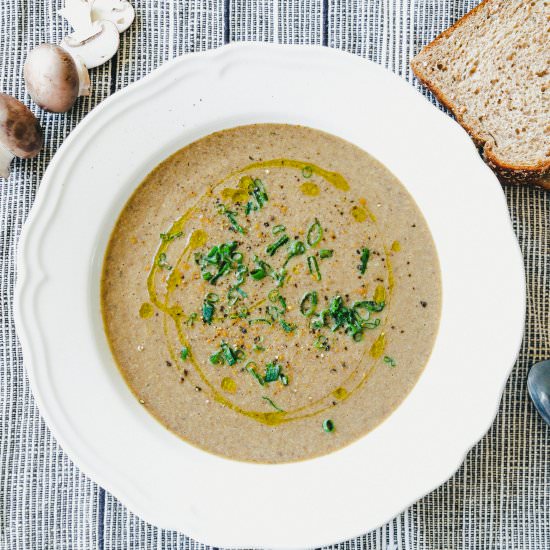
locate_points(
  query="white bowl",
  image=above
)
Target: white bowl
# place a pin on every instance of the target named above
(118, 444)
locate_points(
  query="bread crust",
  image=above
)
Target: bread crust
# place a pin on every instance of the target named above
(537, 174)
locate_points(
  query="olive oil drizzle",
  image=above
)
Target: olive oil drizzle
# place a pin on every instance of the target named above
(197, 239)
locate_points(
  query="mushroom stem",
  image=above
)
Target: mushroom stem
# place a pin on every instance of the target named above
(83, 75)
(5, 160)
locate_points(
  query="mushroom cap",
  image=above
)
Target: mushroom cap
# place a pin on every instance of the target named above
(20, 131)
(52, 79)
(97, 48)
(119, 12)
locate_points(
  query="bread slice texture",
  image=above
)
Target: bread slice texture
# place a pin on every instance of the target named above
(492, 70)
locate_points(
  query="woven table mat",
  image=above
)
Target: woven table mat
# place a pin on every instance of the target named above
(499, 498)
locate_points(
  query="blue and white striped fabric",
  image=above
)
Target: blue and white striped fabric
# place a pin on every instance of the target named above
(500, 497)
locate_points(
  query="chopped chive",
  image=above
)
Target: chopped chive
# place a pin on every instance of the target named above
(242, 313)
(371, 324)
(325, 253)
(222, 258)
(259, 320)
(372, 306)
(313, 267)
(272, 248)
(270, 401)
(228, 354)
(212, 297)
(314, 233)
(284, 379)
(278, 229)
(216, 358)
(322, 343)
(286, 326)
(307, 171)
(277, 276)
(257, 341)
(239, 354)
(232, 219)
(167, 237)
(184, 353)
(273, 312)
(191, 319)
(258, 274)
(252, 370)
(273, 295)
(272, 372)
(162, 263)
(207, 312)
(320, 321)
(390, 361)
(365, 254)
(308, 303)
(296, 249)
(257, 190)
(328, 425)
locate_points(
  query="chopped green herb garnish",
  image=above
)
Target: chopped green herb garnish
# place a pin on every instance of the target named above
(314, 233)
(218, 261)
(270, 401)
(191, 319)
(257, 341)
(278, 229)
(328, 425)
(251, 368)
(371, 305)
(277, 276)
(286, 326)
(249, 208)
(354, 320)
(216, 358)
(284, 379)
(296, 249)
(212, 297)
(184, 353)
(227, 354)
(273, 312)
(257, 190)
(162, 263)
(307, 171)
(272, 372)
(272, 248)
(260, 320)
(231, 216)
(234, 294)
(207, 312)
(258, 273)
(308, 303)
(167, 237)
(365, 253)
(322, 343)
(313, 267)
(390, 361)
(325, 253)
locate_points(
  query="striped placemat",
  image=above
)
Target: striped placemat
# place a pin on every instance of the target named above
(499, 498)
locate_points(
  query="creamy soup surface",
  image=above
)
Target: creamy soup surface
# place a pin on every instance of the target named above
(271, 293)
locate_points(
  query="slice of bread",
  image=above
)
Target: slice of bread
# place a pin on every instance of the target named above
(492, 70)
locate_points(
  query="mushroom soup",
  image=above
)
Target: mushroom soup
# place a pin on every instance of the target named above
(271, 293)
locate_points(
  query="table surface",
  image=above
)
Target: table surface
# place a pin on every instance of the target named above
(499, 498)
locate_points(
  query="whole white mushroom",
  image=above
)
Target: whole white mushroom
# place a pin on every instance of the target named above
(54, 78)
